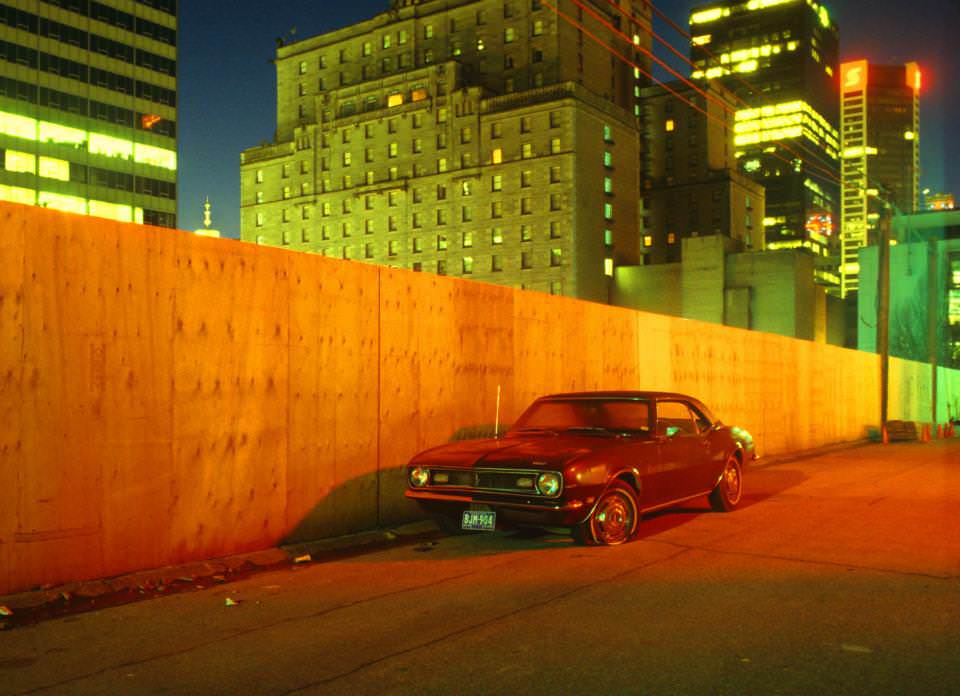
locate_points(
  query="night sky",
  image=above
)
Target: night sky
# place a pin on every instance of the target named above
(228, 85)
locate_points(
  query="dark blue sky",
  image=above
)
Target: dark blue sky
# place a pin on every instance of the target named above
(228, 84)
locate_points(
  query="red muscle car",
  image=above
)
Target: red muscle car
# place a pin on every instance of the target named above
(593, 462)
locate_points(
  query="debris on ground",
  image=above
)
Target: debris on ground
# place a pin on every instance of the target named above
(305, 558)
(230, 602)
(425, 546)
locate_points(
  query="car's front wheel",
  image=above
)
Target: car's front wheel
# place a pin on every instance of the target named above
(614, 518)
(727, 493)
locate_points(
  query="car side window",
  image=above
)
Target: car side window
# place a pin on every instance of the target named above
(703, 423)
(674, 414)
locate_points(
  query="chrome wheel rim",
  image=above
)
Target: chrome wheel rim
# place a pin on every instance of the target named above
(732, 482)
(613, 520)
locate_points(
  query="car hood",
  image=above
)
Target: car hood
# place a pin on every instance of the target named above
(538, 451)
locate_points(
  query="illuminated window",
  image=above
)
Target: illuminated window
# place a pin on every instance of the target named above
(607, 160)
(58, 201)
(258, 177)
(496, 182)
(607, 134)
(15, 194)
(55, 133)
(393, 149)
(607, 184)
(556, 257)
(509, 35)
(18, 126)
(156, 156)
(608, 267)
(428, 31)
(647, 240)
(608, 211)
(526, 151)
(467, 240)
(554, 146)
(669, 125)
(525, 233)
(497, 155)
(303, 67)
(394, 100)
(537, 27)
(111, 147)
(52, 168)
(671, 238)
(442, 165)
(15, 161)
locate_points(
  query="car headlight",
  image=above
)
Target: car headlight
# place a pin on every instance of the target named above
(419, 477)
(549, 484)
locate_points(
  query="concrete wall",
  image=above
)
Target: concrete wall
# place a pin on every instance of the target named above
(166, 397)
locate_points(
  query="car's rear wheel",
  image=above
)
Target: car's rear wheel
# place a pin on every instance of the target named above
(729, 490)
(614, 518)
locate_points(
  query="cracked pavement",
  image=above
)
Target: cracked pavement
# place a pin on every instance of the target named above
(839, 574)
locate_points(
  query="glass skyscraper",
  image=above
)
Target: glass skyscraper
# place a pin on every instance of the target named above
(88, 107)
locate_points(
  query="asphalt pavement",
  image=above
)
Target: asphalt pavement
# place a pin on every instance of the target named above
(839, 574)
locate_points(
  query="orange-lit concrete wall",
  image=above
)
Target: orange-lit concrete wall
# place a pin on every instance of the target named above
(166, 397)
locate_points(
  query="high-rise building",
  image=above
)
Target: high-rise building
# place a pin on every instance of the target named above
(488, 139)
(881, 153)
(779, 57)
(691, 184)
(88, 107)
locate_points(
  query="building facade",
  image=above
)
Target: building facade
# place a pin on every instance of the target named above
(691, 184)
(924, 289)
(478, 138)
(779, 57)
(881, 153)
(88, 107)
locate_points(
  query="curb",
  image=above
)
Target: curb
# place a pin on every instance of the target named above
(786, 458)
(51, 601)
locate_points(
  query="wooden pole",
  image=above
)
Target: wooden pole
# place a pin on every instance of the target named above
(883, 316)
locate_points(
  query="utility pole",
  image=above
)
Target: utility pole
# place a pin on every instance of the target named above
(933, 316)
(883, 315)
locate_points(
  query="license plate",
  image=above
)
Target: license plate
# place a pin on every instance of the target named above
(479, 520)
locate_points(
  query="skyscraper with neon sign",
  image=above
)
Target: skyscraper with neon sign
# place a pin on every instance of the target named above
(881, 152)
(780, 58)
(88, 107)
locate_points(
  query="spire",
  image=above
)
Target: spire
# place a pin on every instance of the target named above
(207, 220)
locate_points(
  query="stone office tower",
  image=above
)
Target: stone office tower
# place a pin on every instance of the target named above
(88, 107)
(488, 139)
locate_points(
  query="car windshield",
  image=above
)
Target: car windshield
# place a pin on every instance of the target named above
(618, 416)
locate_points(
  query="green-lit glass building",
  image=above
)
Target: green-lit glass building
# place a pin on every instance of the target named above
(780, 58)
(88, 107)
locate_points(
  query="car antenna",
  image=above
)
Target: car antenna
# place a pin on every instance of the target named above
(496, 425)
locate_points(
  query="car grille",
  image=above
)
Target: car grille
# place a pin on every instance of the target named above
(486, 480)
